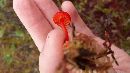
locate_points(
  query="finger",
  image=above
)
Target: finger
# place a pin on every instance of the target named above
(49, 8)
(80, 26)
(33, 20)
(52, 55)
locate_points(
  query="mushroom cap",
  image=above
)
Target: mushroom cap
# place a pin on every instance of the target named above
(62, 18)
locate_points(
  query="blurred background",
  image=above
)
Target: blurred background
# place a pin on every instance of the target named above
(18, 54)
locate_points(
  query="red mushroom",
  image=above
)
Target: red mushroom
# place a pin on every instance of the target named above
(62, 19)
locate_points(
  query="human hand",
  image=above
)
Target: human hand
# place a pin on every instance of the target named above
(36, 15)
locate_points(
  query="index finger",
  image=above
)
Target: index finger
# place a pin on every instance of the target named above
(33, 20)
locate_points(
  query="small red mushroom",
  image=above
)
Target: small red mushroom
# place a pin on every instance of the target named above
(62, 19)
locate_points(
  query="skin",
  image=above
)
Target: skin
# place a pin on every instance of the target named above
(36, 16)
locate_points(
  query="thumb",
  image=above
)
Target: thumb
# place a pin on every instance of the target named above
(52, 54)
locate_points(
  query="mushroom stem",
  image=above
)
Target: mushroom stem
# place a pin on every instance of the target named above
(65, 31)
